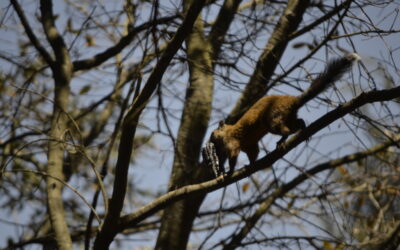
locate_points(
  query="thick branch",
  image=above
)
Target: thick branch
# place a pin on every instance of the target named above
(110, 227)
(55, 39)
(177, 219)
(29, 32)
(62, 73)
(222, 24)
(263, 163)
(288, 23)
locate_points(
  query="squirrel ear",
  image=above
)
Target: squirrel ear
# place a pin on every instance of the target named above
(221, 124)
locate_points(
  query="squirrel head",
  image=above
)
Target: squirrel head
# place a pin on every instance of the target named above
(217, 136)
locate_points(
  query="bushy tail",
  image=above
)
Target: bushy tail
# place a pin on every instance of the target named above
(335, 69)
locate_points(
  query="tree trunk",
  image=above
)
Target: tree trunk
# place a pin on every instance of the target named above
(178, 218)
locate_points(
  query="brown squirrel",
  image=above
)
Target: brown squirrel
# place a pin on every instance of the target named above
(272, 114)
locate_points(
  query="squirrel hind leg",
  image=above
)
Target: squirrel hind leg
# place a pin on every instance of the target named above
(232, 164)
(282, 140)
(297, 125)
(252, 152)
(233, 150)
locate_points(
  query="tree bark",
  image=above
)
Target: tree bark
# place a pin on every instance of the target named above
(62, 74)
(111, 226)
(178, 218)
(55, 165)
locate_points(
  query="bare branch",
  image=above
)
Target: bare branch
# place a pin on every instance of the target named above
(284, 189)
(322, 19)
(62, 73)
(29, 32)
(101, 57)
(222, 24)
(55, 39)
(110, 227)
(288, 23)
(177, 219)
(263, 163)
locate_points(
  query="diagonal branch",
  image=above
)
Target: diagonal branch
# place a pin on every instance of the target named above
(110, 227)
(167, 56)
(320, 20)
(29, 32)
(222, 24)
(269, 59)
(53, 36)
(313, 51)
(284, 189)
(101, 57)
(263, 163)
(177, 219)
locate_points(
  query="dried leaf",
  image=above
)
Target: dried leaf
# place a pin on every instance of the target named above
(90, 41)
(85, 89)
(245, 187)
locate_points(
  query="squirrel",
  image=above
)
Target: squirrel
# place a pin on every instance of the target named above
(272, 114)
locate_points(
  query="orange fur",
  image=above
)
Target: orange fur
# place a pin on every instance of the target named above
(272, 114)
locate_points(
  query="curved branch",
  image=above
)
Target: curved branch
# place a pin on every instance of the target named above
(63, 183)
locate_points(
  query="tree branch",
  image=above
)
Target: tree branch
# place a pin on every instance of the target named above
(110, 227)
(29, 32)
(288, 23)
(62, 74)
(322, 19)
(101, 57)
(55, 39)
(284, 189)
(312, 52)
(263, 163)
(177, 219)
(222, 24)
